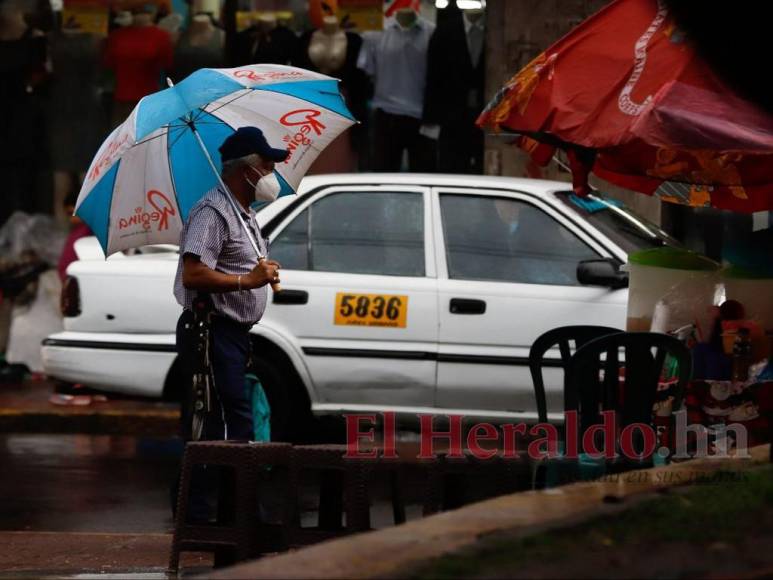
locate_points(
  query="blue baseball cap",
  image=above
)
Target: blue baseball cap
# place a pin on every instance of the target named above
(246, 141)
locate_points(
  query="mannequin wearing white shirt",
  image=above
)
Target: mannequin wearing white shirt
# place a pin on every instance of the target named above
(396, 59)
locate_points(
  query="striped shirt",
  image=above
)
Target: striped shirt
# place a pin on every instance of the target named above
(214, 234)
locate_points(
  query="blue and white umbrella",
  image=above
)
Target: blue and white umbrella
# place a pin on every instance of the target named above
(154, 167)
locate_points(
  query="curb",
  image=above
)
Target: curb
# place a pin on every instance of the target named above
(393, 551)
(93, 422)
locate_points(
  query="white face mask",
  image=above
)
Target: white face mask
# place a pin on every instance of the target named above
(266, 188)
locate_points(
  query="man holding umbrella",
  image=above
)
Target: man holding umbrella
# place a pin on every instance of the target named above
(218, 267)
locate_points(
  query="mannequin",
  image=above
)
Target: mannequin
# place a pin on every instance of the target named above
(267, 22)
(76, 120)
(200, 46)
(333, 51)
(140, 55)
(406, 17)
(266, 42)
(123, 18)
(327, 46)
(396, 59)
(143, 19)
(12, 23)
(201, 30)
(211, 7)
(474, 14)
(454, 96)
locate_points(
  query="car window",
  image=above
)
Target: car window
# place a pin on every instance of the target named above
(506, 240)
(356, 232)
(291, 248)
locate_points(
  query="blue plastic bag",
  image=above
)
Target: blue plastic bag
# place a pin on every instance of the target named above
(261, 411)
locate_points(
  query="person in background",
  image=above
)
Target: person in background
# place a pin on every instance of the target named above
(138, 54)
(78, 230)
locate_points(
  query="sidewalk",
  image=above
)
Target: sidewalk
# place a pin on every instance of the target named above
(57, 554)
(25, 408)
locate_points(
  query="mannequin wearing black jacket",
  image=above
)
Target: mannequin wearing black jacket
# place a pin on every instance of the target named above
(266, 42)
(454, 95)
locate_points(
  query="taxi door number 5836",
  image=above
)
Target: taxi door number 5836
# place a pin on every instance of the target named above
(371, 310)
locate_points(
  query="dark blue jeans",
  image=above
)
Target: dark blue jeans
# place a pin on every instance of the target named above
(231, 412)
(230, 416)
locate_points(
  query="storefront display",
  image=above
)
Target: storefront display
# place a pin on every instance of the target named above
(90, 16)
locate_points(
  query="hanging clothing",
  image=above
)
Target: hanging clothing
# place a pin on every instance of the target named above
(77, 119)
(397, 60)
(138, 55)
(454, 95)
(279, 46)
(188, 58)
(24, 162)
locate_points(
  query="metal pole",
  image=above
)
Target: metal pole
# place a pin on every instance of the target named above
(276, 287)
(227, 193)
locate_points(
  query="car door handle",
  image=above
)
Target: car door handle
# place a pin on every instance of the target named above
(467, 306)
(291, 297)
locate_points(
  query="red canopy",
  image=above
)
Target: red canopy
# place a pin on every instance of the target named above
(629, 99)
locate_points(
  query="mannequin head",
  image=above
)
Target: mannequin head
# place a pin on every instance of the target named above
(11, 16)
(171, 23)
(123, 18)
(474, 14)
(143, 15)
(284, 18)
(330, 24)
(202, 19)
(211, 7)
(406, 17)
(267, 22)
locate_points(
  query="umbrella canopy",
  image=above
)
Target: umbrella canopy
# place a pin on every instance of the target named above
(154, 167)
(625, 94)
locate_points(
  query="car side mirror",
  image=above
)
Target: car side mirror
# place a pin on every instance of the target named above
(602, 272)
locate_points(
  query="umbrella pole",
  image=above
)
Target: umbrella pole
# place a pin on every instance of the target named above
(230, 199)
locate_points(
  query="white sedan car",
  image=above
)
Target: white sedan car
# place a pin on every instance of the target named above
(408, 293)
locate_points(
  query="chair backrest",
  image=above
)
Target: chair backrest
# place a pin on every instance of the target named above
(589, 391)
(558, 337)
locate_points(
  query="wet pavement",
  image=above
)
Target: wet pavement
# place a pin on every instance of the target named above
(86, 505)
(71, 504)
(86, 483)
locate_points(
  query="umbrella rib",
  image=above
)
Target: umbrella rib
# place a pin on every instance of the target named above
(148, 140)
(237, 97)
(180, 136)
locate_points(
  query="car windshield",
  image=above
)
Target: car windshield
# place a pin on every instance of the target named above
(619, 223)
